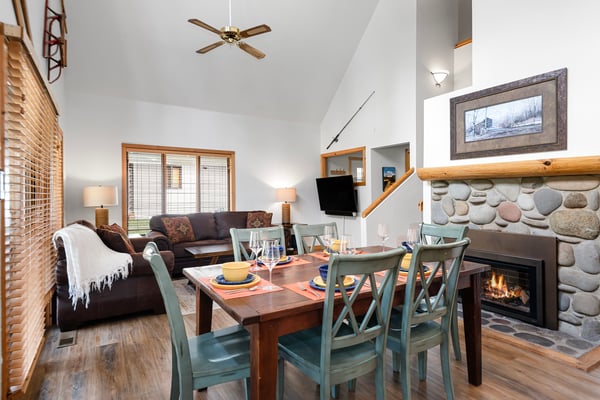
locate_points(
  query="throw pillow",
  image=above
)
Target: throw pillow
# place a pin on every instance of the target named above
(179, 229)
(115, 238)
(259, 219)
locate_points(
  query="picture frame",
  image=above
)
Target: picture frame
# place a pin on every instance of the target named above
(524, 116)
(388, 177)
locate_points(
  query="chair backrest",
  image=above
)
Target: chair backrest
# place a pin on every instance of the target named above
(352, 327)
(431, 285)
(179, 341)
(308, 236)
(437, 234)
(241, 236)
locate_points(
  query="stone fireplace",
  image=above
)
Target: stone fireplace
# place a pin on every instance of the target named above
(539, 198)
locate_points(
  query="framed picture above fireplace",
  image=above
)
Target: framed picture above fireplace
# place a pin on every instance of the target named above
(524, 116)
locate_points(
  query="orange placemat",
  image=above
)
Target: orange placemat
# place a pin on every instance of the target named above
(244, 292)
(307, 291)
(295, 261)
(322, 255)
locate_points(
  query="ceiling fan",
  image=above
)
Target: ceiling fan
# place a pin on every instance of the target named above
(232, 34)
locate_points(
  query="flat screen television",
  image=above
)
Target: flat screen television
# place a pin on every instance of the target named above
(337, 195)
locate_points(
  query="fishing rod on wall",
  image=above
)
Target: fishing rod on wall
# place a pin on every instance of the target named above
(335, 139)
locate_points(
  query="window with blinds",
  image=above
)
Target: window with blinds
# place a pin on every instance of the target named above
(32, 209)
(161, 180)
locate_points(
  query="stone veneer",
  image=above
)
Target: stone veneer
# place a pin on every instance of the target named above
(566, 207)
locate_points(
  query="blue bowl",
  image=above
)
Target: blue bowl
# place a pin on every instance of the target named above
(323, 271)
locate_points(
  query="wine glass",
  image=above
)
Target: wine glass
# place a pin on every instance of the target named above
(412, 236)
(328, 237)
(270, 258)
(383, 233)
(255, 245)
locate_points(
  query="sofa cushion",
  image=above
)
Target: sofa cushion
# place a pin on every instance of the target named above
(115, 238)
(204, 225)
(179, 229)
(157, 225)
(258, 219)
(229, 219)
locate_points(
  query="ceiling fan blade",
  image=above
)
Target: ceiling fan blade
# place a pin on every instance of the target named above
(251, 50)
(204, 25)
(257, 30)
(210, 47)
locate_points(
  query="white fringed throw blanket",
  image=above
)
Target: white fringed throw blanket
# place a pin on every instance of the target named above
(90, 264)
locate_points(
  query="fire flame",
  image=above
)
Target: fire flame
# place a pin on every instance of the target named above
(498, 289)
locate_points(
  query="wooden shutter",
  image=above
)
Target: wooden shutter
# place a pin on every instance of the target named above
(33, 209)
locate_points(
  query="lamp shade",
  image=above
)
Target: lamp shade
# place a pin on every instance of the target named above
(286, 195)
(100, 196)
(439, 77)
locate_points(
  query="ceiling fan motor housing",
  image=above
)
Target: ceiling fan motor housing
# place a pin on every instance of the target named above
(230, 34)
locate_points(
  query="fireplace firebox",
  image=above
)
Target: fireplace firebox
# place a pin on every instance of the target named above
(522, 281)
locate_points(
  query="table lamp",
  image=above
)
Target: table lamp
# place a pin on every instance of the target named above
(287, 196)
(100, 196)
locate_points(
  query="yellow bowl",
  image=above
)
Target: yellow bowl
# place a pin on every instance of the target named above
(406, 261)
(235, 271)
(335, 245)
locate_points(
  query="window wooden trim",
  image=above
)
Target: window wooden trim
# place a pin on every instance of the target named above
(131, 147)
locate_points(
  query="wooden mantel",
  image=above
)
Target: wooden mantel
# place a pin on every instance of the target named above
(588, 165)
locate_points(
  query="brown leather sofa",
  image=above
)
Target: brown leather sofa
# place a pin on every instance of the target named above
(176, 232)
(137, 293)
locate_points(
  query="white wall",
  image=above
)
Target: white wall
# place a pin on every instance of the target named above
(512, 41)
(97, 126)
(394, 59)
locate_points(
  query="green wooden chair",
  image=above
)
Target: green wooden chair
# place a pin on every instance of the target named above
(436, 234)
(427, 311)
(308, 236)
(241, 236)
(200, 361)
(346, 345)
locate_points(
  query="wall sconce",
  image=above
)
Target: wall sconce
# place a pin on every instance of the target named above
(439, 77)
(100, 196)
(287, 196)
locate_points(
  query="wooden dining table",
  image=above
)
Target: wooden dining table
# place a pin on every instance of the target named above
(295, 306)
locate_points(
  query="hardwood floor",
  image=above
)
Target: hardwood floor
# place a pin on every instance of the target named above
(130, 359)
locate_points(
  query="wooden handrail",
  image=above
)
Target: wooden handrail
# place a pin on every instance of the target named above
(463, 43)
(385, 194)
(515, 169)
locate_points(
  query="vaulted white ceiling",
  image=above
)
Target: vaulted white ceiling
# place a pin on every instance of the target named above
(146, 50)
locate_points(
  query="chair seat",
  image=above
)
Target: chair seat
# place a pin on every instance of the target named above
(422, 336)
(220, 353)
(305, 347)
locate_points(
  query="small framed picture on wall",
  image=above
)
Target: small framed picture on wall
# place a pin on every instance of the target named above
(388, 175)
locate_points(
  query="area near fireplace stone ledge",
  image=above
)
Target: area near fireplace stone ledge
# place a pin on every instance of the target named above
(543, 202)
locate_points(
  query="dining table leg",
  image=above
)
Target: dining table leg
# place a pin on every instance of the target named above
(263, 361)
(204, 306)
(471, 304)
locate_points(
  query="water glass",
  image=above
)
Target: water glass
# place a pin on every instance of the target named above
(328, 237)
(346, 245)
